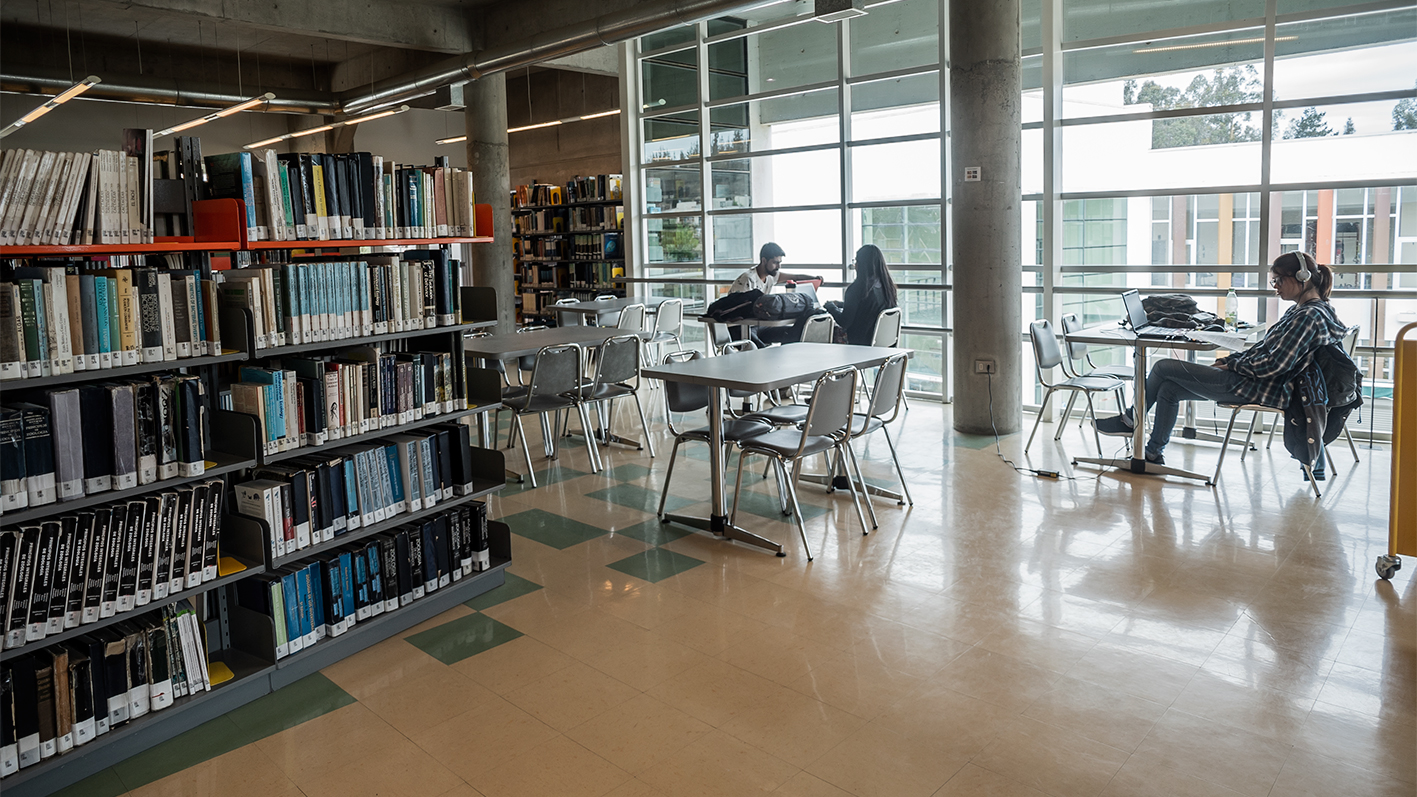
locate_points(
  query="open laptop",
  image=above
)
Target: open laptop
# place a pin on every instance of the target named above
(1137, 320)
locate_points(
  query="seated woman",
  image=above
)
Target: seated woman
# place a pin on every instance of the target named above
(1259, 375)
(872, 291)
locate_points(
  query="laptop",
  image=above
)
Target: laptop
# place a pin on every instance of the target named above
(1136, 319)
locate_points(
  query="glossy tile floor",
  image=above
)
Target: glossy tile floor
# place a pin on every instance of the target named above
(1006, 635)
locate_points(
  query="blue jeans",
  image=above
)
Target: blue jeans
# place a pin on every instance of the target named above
(1174, 381)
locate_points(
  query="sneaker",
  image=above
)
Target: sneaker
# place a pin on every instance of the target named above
(1155, 459)
(1116, 426)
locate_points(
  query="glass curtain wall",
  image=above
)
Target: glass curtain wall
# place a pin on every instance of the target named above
(821, 137)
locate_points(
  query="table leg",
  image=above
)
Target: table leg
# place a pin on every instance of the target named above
(717, 521)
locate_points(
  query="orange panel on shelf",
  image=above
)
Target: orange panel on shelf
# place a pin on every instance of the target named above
(220, 220)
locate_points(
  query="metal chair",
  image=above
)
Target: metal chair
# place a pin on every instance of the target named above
(617, 376)
(681, 398)
(607, 319)
(668, 326)
(568, 319)
(1350, 344)
(887, 331)
(555, 385)
(1259, 410)
(827, 428)
(718, 337)
(1078, 353)
(820, 328)
(887, 395)
(1047, 355)
(632, 318)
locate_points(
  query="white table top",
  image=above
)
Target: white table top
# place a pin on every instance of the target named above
(774, 367)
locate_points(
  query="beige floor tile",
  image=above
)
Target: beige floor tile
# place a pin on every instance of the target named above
(1268, 712)
(634, 788)
(1383, 695)
(792, 726)
(1051, 759)
(1100, 713)
(1308, 774)
(857, 683)
(1039, 644)
(462, 790)
(558, 766)
(975, 781)
(571, 695)
(639, 732)
(718, 764)
(905, 648)
(382, 666)
(996, 678)
(953, 724)
(708, 629)
(645, 660)
(512, 665)
(240, 772)
(714, 691)
(777, 655)
(433, 622)
(961, 620)
(472, 743)
(1134, 672)
(427, 700)
(1167, 638)
(1150, 777)
(650, 606)
(876, 761)
(804, 785)
(1240, 760)
(1361, 740)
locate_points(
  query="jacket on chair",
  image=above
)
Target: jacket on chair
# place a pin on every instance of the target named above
(1327, 389)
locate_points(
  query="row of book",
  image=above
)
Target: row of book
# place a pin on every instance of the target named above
(95, 438)
(307, 402)
(84, 317)
(295, 303)
(86, 566)
(578, 189)
(77, 198)
(313, 500)
(356, 196)
(330, 594)
(543, 248)
(586, 276)
(597, 246)
(70, 694)
(543, 220)
(597, 217)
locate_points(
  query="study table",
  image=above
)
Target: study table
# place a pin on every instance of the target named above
(1113, 336)
(575, 313)
(757, 371)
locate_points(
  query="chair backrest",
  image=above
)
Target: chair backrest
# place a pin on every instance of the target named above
(670, 316)
(1076, 351)
(526, 362)
(632, 318)
(833, 402)
(735, 346)
(721, 337)
(1350, 340)
(682, 397)
(557, 371)
(567, 319)
(1047, 354)
(889, 387)
(820, 328)
(617, 361)
(887, 331)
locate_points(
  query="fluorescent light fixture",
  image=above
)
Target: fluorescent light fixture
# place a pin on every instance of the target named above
(212, 117)
(59, 99)
(602, 113)
(533, 127)
(310, 131)
(836, 10)
(1202, 45)
(453, 140)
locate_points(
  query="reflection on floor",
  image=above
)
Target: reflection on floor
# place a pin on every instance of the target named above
(1006, 635)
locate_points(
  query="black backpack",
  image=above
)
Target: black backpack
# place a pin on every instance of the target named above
(779, 306)
(1179, 311)
(734, 306)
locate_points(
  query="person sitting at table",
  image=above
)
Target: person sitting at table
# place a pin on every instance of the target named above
(1259, 375)
(764, 277)
(872, 291)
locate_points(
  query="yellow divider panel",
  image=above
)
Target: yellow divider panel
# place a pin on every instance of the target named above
(1402, 527)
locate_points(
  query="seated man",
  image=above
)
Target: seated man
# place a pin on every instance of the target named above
(763, 277)
(1259, 375)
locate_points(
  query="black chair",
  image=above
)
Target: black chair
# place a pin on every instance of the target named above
(617, 376)
(555, 385)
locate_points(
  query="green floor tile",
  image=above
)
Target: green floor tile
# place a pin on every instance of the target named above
(100, 784)
(977, 442)
(765, 504)
(202, 743)
(628, 472)
(653, 532)
(308, 698)
(552, 529)
(637, 497)
(463, 638)
(554, 474)
(656, 564)
(514, 587)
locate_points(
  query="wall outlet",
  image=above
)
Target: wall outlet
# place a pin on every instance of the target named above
(985, 367)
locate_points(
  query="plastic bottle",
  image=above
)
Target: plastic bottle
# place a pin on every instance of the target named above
(1232, 310)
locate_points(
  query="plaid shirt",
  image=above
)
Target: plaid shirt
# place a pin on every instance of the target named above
(1269, 367)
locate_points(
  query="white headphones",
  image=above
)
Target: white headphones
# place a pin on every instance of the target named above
(1303, 275)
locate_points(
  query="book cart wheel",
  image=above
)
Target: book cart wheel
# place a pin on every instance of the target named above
(1387, 565)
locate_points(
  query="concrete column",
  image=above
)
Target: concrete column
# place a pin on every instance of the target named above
(488, 160)
(988, 271)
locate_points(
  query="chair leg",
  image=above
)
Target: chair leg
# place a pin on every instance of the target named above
(1097, 436)
(591, 446)
(548, 437)
(521, 432)
(898, 471)
(796, 508)
(644, 424)
(1278, 421)
(1245, 449)
(1224, 446)
(664, 494)
(861, 494)
(737, 489)
(1067, 413)
(1314, 483)
(1351, 446)
(1038, 420)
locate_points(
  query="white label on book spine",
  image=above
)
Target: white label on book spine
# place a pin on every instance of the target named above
(84, 732)
(145, 596)
(126, 481)
(161, 695)
(160, 589)
(48, 748)
(9, 759)
(66, 742)
(15, 639)
(139, 701)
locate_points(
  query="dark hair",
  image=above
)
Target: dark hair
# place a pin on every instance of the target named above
(1321, 276)
(769, 251)
(871, 267)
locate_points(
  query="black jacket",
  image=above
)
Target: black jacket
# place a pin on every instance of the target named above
(858, 310)
(1328, 388)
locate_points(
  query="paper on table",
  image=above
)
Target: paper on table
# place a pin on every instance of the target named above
(1225, 340)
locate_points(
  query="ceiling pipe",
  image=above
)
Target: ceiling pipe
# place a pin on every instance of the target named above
(119, 91)
(639, 20)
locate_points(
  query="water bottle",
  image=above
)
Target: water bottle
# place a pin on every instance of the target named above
(1232, 310)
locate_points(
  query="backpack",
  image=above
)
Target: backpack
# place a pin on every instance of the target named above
(734, 306)
(779, 306)
(1179, 311)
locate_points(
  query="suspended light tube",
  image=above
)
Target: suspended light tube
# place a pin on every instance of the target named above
(212, 117)
(331, 126)
(554, 123)
(453, 140)
(59, 99)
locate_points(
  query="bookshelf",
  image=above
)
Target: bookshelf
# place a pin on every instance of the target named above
(566, 243)
(241, 639)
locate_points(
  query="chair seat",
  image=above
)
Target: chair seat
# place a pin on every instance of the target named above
(535, 404)
(513, 392)
(611, 391)
(863, 424)
(786, 415)
(734, 429)
(1101, 383)
(1126, 372)
(663, 337)
(1251, 407)
(786, 442)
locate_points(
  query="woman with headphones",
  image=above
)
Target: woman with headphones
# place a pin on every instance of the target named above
(1259, 375)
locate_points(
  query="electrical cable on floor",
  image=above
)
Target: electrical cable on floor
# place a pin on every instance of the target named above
(998, 446)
